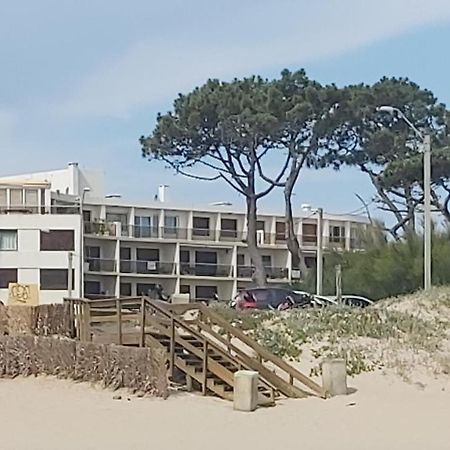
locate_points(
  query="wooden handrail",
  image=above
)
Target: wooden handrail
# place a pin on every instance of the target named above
(261, 351)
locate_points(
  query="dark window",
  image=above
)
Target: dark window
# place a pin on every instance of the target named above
(185, 256)
(147, 254)
(260, 225)
(205, 292)
(310, 262)
(92, 287)
(7, 276)
(125, 253)
(228, 227)
(240, 260)
(309, 232)
(337, 234)
(92, 252)
(55, 279)
(200, 226)
(57, 240)
(185, 289)
(206, 263)
(125, 289)
(267, 261)
(87, 216)
(280, 230)
(144, 288)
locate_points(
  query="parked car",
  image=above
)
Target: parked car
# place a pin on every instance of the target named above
(270, 298)
(349, 300)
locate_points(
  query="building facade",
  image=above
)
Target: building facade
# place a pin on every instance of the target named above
(116, 248)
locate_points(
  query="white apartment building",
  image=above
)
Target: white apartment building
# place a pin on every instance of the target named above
(119, 248)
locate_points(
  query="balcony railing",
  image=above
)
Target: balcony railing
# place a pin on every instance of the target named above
(100, 265)
(139, 231)
(205, 270)
(273, 273)
(100, 228)
(203, 234)
(147, 267)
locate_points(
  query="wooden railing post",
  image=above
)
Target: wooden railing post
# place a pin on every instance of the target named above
(86, 322)
(172, 346)
(205, 366)
(119, 321)
(142, 338)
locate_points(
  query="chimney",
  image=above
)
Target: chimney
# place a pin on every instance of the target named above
(162, 192)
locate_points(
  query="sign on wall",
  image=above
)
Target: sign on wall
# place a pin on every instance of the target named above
(23, 294)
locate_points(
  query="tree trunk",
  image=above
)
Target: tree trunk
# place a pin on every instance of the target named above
(259, 274)
(298, 260)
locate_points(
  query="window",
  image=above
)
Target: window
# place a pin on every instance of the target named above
(57, 240)
(7, 276)
(92, 252)
(31, 197)
(240, 260)
(146, 226)
(8, 240)
(145, 288)
(267, 261)
(228, 228)
(87, 216)
(185, 289)
(200, 226)
(16, 197)
(280, 230)
(260, 225)
(3, 201)
(147, 254)
(92, 287)
(185, 256)
(309, 232)
(205, 292)
(54, 279)
(170, 224)
(337, 234)
(125, 289)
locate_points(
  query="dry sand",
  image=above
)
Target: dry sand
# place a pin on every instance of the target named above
(384, 413)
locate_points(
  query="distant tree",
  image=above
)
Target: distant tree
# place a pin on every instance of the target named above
(224, 131)
(254, 134)
(385, 148)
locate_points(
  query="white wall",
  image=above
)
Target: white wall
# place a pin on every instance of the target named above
(28, 258)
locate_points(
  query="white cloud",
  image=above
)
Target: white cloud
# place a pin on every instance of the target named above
(251, 37)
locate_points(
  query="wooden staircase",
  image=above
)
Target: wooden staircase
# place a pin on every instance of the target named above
(203, 349)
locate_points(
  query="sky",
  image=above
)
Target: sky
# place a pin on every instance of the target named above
(83, 80)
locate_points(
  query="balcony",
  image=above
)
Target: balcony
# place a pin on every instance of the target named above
(205, 270)
(100, 265)
(100, 228)
(273, 273)
(138, 231)
(147, 267)
(175, 233)
(203, 234)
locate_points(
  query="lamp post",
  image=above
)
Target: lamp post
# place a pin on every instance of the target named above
(319, 255)
(426, 150)
(81, 267)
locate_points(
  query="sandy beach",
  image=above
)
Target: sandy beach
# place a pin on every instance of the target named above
(382, 413)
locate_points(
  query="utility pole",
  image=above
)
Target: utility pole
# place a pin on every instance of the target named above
(427, 211)
(339, 283)
(319, 274)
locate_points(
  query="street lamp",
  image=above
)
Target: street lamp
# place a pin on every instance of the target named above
(426, 150)
(81, 268)
(319, 256)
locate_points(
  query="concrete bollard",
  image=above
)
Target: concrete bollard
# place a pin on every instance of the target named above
(245, 396)
(334, 376)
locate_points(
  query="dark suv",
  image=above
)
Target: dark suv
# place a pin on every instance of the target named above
(270, 298)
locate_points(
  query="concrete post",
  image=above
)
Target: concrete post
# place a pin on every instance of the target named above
(334, 376)
(245, 390)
